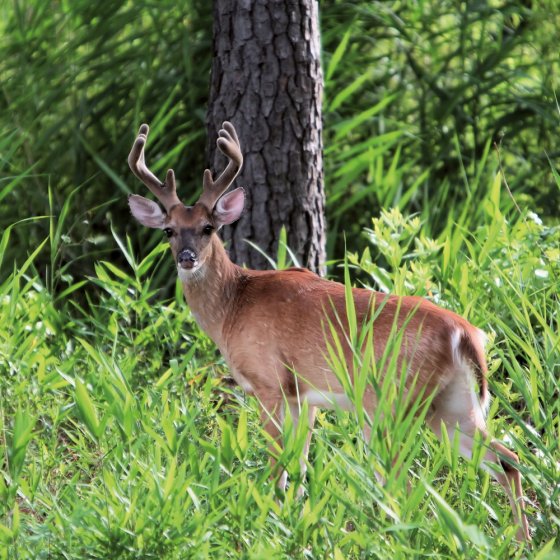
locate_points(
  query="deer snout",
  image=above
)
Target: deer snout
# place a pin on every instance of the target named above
(187, 259)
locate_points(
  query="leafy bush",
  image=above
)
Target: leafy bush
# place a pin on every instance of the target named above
(418, 92)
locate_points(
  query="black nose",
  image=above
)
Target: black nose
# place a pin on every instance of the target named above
(186, 258)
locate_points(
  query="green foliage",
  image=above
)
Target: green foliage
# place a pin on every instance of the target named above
(422, 91)
(77, 80)
(119, 440)
(416, 96)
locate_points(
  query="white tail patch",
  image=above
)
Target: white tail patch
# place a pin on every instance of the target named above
(462, 394)
(466, 378)
(483, 337)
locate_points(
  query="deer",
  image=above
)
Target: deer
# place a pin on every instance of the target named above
(269, 326)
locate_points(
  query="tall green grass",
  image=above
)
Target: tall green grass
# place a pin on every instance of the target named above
(119, 438)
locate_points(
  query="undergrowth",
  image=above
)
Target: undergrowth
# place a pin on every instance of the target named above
(120, 438)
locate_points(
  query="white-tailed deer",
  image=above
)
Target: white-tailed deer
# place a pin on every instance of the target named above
(270, 325)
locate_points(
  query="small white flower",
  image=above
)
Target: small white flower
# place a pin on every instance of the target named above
(534, 217)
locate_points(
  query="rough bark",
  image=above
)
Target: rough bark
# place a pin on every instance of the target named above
(267, 80)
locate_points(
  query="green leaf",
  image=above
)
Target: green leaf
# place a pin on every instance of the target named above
(338, 54)
(347, 126)
(6, 535)
(282, 244)
(4, 243)
(24, 423)
(242, 437)
(15, 519)
(87, 409)
(348, 91)
(15, 181)
(547, 552)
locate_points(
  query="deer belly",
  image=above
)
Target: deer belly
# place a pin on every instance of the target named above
(327, 399)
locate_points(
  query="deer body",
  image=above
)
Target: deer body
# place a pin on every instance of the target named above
(266, 322)
(274, 327)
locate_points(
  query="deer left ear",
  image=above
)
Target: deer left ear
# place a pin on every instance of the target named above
(229, 207)
(147, 212)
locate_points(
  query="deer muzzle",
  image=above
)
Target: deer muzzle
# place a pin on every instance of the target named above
(187, 259)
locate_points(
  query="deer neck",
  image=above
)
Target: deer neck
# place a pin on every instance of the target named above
(211, 290)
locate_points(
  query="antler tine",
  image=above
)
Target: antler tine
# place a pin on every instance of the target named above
(165, 192)
(228, 144)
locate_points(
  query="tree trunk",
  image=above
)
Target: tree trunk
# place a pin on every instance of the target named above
(267, 80)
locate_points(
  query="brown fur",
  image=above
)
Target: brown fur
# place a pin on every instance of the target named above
(270, 323)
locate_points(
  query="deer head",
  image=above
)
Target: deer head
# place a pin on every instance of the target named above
(190, 229)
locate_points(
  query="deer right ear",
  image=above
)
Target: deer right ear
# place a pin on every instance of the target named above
(147, 212)
(229, 207)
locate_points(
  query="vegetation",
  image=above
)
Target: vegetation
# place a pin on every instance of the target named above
(118, 435)
(122, 440)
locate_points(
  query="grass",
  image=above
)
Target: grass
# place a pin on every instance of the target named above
(119, 437)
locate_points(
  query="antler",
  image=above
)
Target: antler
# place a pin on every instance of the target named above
(228, 143)
(164, 192)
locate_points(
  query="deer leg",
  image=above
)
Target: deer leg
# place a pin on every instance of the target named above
(506, 472)
(465, 414)
(295, 410)
(502, 464)
(272, 417)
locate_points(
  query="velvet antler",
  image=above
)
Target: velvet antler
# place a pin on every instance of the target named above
(228, 143)
(165, 192)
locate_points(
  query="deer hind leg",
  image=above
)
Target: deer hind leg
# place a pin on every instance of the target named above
(458, 407)
(507, 474)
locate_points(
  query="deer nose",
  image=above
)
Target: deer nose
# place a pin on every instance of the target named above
(186, 258)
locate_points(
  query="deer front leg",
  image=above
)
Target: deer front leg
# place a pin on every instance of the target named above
(272, 417)
(295, 410)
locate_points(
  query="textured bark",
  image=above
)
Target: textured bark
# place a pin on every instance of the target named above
(267, 80)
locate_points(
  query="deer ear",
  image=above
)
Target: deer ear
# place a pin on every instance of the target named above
(229, 207)
(147, 212)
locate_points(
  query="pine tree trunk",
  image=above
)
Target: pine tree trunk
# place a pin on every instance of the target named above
(267, 80)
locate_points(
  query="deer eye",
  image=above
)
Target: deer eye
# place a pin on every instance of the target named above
(207, 229)
(168, 232)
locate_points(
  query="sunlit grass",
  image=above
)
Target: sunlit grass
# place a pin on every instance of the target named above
(120, 439)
